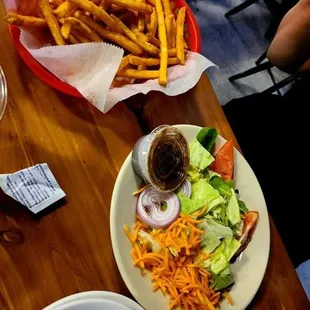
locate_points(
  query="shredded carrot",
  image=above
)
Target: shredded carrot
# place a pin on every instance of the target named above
(138, 251)
(128, 234)
(200, 212)
(135, 233)
(140, 190)
(191, 220)
(228, 298)
(181, 277)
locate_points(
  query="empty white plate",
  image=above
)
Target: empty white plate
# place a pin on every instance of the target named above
(117, 299)
(93, 304)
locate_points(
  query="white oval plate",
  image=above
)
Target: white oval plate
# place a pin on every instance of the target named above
(248, 271)
(103, 295)
(93, 304)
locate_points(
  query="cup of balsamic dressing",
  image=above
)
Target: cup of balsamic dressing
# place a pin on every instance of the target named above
(161, 158)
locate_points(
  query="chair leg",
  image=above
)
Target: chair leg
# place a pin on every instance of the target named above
(281, 84)
(259, 68)
(240, 7)
(261, 58)
(273, 80)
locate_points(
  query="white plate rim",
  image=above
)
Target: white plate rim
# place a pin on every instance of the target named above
(102, 302)
(117, 252)
(95, 295)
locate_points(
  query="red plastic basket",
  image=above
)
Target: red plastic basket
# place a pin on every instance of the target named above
(192, 36)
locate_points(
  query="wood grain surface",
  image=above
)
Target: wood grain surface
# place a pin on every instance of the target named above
(68, 249)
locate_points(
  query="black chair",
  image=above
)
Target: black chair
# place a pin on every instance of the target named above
(273, 5)
(267, 65)
(278, 10)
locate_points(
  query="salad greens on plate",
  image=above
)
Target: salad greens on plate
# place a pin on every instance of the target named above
(212, 185)
(202, 225)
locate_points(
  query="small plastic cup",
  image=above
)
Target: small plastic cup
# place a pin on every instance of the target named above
(3, 92)
(161, 158)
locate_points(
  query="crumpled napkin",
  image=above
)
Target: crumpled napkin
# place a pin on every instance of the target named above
(91, 67)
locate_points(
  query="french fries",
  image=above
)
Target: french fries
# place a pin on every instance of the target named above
(153, 24)
(139, 74)
(51, 21)
(180, 35)
(173, 33)
(152, 2)
(153, 40)
(77, 35)
(163, 44)
(65, 29)
(167, 9)
(169, 26)
(104, 4)
(141, 19)
(136, 6)
(56, 2)
(86, 31)
(27, 21)
(96, 11)
(124, 63)
(138, 33)
(73, 40)
(128, 33)
(150, 62)
(110, 35)
(65, 9)
(150, 31)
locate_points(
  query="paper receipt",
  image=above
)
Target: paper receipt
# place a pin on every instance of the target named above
(36, 188)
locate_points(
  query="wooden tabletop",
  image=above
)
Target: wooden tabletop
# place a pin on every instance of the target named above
(68, 250)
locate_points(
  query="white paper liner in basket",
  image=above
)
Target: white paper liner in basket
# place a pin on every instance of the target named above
(91, 67)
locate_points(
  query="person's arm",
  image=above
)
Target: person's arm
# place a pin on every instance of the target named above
(290, 49)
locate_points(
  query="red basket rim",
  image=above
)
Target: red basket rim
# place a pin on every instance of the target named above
(51, 80)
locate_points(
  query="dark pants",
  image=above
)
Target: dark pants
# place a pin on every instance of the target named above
(273, 133)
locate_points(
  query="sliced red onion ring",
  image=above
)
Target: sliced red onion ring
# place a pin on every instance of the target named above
(149, 208)
(186, 188)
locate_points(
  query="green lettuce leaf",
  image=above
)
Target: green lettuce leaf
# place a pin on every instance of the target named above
(213, 232)
(188, 205)
(222, 255)
(207, 137)
(230, 246)
(238, 228)
(144, 237)
(223, 279)
(209, 174)
(219, 214)
(221, 231)
(204, 194)
(199, 156)
(193, 174)
(230, 183)
(220, 185)
(209, 240)
(242, 206)
(233, 212)
(218, 261)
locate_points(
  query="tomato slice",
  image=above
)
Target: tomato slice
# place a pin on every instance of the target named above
(224, 161)
(250, 221)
